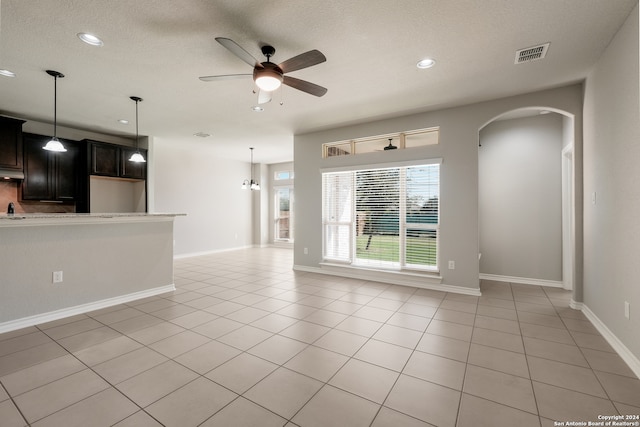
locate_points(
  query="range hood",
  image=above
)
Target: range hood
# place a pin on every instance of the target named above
(11, 174)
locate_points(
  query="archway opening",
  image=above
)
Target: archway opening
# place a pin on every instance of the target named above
(526, 197)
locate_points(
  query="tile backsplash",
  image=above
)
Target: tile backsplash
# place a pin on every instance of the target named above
(10, 191)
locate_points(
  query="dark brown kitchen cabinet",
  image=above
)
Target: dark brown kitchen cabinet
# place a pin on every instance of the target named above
(50, 175)
(113, 160)
(105, 159)
(11, 143)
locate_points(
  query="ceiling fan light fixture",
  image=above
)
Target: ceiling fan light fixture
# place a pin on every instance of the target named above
(426, 63)
(7, 73)
(90, 39)
(269, 82)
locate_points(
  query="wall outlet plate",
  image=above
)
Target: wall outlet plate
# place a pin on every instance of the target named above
(57, 277)
(452, 265)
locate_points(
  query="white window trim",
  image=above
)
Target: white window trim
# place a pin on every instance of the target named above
(385, 165)
(404, 225)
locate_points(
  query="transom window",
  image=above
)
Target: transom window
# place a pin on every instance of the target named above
(409, 139)
(282, 175)
(382, 218)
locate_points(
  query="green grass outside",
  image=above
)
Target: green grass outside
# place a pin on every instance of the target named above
(420, 250)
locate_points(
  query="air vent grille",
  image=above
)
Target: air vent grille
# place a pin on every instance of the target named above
(531, 53)
(202, 134)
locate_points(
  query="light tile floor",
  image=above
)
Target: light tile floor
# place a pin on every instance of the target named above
(245, 341)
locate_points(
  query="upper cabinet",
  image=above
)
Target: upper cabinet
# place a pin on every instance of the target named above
(11, 144)
(113, 160)
(105, 159)
(50, 175)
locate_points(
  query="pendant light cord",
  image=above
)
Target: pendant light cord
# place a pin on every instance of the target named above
(251, 165)
(55, 105)
(137, 144)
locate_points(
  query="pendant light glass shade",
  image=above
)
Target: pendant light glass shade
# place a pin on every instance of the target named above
(250, 184)
(54, 144)
(137, 156)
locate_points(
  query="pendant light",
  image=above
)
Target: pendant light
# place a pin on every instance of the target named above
(252, 185)
(54, 144)
(390, 146)
(137, 157)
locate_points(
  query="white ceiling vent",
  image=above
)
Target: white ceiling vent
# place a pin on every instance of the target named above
(531, 53)
(202, 134)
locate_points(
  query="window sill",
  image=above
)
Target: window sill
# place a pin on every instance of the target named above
(399, 277)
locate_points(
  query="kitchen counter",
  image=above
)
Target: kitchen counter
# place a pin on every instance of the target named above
(22, 219)
(59, 265)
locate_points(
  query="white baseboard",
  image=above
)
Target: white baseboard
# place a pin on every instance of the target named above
(622, 350)
(217, 251)
(522, 280)
(37, 319)
(576, 305)
(402, 279)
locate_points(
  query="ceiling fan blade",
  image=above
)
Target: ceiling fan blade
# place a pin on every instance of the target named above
(264, 97)
(224, 77)
(304, 60)
(238, 51)
(304, 86)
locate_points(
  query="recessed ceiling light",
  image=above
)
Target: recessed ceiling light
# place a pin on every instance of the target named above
(257, 109)
(90, 39)
(123, 122)
(426, 63)
(7, 73)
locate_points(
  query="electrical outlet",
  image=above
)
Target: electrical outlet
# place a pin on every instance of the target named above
(57, 277)
(627, 310)
(306, 251)
(452, 265)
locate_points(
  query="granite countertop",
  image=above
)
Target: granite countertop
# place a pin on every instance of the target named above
(77, 218)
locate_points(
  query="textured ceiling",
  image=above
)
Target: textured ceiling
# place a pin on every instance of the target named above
(157, 50)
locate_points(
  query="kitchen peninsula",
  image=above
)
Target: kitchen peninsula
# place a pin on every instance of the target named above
(59, 265)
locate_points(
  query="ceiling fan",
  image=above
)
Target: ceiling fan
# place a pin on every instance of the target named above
(269, 76)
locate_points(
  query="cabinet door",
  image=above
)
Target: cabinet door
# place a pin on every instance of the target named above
(132, 169)
(105, 159)
(11, 143)
(37, 169)
(65, 173)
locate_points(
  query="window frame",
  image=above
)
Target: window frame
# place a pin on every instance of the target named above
(405, 226)
(276, 213)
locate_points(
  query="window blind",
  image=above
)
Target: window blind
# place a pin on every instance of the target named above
(382, 218)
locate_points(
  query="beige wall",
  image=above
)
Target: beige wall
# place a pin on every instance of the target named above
(189, 177)
(611, 173)
(458, 148)
(99, 261)
(520, 181)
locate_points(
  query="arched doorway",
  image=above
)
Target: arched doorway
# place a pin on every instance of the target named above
(526, 197)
